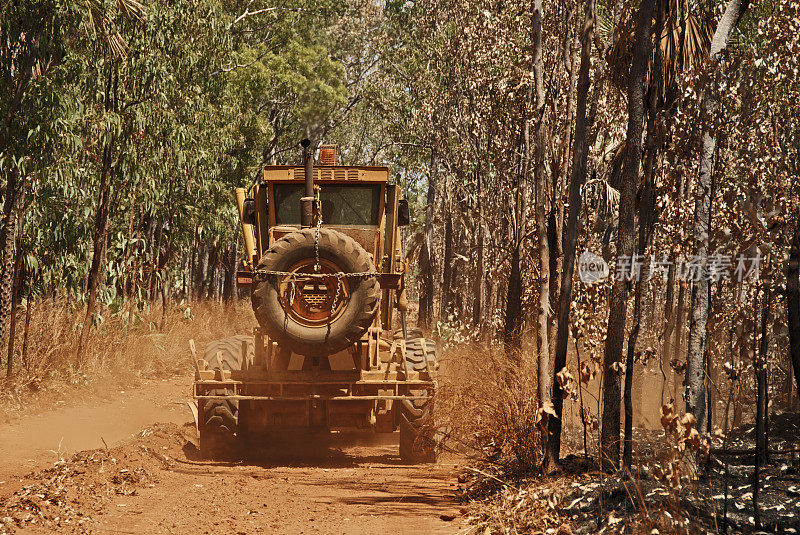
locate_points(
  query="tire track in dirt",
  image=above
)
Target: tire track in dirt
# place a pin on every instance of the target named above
(153, 482)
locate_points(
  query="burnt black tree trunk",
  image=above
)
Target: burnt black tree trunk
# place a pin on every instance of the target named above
(579, 155)
(513, 317)
(646, 219)
(618, 301)
(793, 302)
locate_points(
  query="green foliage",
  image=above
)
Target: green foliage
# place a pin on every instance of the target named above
(180, 101)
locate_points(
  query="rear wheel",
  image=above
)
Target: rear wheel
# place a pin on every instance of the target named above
(417, 443)
(218, 418)
(417, 431)
(218, 422)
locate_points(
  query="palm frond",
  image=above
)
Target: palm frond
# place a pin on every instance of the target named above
(605, 24)
(685, 41)
(132, 9)
(98, 19)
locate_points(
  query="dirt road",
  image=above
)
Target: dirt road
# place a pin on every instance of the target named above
(154, 482)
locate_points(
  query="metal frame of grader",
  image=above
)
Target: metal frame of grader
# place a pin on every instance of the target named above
(356, 388)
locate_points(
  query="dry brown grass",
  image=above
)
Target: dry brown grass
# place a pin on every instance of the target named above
(486, 403)
(121, 348)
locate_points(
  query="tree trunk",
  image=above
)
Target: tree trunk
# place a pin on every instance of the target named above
(571, 55)
(680, 323)
(235, 270)
(155, 259)
(13, 200)
(540, 181)
(126, 255)
(227, 276)
(579, 155)
(695, 371)
(513, 315)
(96, 270)
(762, 427)
(186, 276)
(646, 207)
(12, 332)
(214, 276)
(202, 280)
(448, 267)
(426, 256)
(669, 320)
(164, 303)
(793, 303)
(627, 453)
(191, 292)
(477, 289)
(615, 334)
(219, 278)
(26, 330)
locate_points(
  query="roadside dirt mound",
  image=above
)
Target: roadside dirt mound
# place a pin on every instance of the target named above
(35, 441)
(64, 497)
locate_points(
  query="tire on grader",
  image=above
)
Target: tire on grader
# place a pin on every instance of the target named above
(218, 418)
(417, 443)
(337, 253)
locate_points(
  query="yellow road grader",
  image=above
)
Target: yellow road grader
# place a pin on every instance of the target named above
(326, 269)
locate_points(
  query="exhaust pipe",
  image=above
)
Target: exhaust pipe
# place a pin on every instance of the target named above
(247, 230)
(307, 201)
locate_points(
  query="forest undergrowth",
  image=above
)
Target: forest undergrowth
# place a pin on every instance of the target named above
(681, 481)
(137, 342)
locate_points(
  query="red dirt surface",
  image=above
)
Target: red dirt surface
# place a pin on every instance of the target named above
(153, 481)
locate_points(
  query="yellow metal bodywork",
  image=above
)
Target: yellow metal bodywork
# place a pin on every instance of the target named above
(247, 230)
(381, 241)
(356, 387)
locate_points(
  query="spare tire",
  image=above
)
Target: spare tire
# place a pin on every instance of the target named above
(316, 316)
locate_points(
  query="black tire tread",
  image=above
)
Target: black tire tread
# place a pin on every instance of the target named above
(416, 355)
(230, 351)
(341, 334)
(219, 417)
(417, 444)
(218, 426)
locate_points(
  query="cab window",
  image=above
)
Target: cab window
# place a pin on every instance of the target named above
(346, 204)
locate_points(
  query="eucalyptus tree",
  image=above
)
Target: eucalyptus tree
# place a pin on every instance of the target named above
(612, 359)
(33, 44)
(695, 369)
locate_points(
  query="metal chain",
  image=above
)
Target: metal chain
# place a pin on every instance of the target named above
(316, 237)
(298, 275)
(338, 291)
(291, 294)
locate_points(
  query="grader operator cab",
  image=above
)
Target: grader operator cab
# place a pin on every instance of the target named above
(326, 266)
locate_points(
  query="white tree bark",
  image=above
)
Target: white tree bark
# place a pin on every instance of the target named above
(695, 368)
